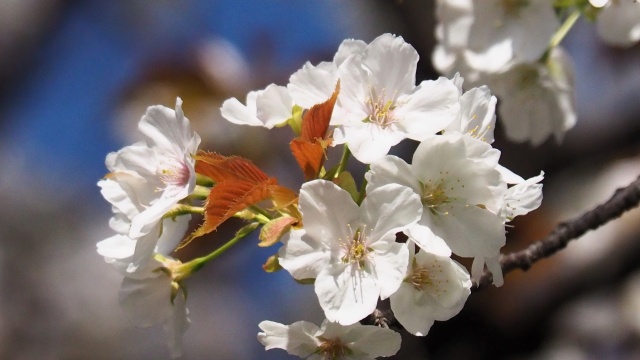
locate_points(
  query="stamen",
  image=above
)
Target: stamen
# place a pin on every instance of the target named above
(174, 172)
(380, 109)
(355, 248)
(434, 195)
(427, 278)
(332, 349)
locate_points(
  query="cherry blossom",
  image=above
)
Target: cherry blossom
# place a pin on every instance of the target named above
(330, 341)
(151, 176)
(619, 22)
(461, 197)
(435, 288)
(380, 104)
(349, 250)
(538, 99)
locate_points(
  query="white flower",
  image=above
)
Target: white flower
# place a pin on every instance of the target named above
(269, 107)
(522, 198)
(455, 18)
(619, 22)
(476, 117)
(330, 341)
(350, 250)
(380, 105)
(537, 100)
(477, 37)
(150, 177)
(506, 31)
(435, 288)
(462, 197)
(151, 296)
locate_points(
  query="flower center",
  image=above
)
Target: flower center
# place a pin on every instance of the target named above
(174, 172)
(380, 109)
(434, 194)
(356, 249)
(332, 349)
(424, 278)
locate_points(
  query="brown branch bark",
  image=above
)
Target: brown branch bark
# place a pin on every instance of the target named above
(623, 199)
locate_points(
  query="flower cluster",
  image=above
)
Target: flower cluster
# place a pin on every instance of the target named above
(513, 46)
(391, 238)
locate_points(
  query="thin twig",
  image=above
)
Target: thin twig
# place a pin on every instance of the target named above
(623, 199)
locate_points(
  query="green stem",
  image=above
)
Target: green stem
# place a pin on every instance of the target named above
(564, 28)
(260, 213)
(346, 153)
(200, 192)
(196, 264)
(204, 180)
(183, 209)
(363, 188)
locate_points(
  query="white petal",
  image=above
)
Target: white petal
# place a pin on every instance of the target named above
(390, 209)
(349, 47)
(239, 114)
(390, 268)
(536, 24)
(428, 241)
(312, 85)
(297, 339)
(368, 142)
(346, 294)
(274, 105)
(146, 301)
(509, 176)
(468, 230)
(392, 63)
(372, 341)
(173, 231)
(145, 221)
(327, 210)
(523, 198)
(176, 325)
(493, 263)
(429, 109)
(165, 128)
(478, 114)
(145, 249)
(416, 320)
(355, 90)
(388, 170)
(619, 23)
(302, 256)
(117, 247)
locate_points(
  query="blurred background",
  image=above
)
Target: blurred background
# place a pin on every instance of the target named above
(75, 78)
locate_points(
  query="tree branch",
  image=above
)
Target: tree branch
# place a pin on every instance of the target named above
(623, 199)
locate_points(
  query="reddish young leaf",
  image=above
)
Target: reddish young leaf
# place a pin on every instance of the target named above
(309, 148)
(221, 168)
(315, 121)
(226, 199)
(309, 155)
